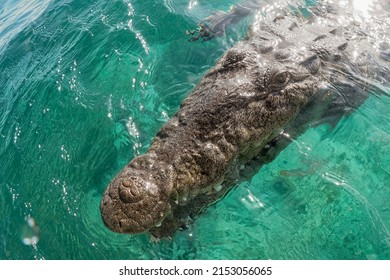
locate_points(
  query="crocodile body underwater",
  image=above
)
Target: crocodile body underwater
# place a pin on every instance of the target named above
(288, 74)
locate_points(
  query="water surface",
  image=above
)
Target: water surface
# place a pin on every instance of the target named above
(85, 87)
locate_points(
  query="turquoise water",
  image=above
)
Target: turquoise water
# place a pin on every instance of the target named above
(85, 85)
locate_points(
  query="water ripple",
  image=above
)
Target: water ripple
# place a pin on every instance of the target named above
(85, 87)
(15, 15)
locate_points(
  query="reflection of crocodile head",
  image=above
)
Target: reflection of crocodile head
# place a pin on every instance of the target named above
(235, 116)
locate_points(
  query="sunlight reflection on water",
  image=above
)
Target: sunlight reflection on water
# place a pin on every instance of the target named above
(86, 91)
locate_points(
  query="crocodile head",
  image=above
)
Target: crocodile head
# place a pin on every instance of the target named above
(255, 91)
(137, 199)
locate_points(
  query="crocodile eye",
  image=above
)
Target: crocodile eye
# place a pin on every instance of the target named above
(281, 78)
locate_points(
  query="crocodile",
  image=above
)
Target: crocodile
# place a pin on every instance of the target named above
(288, 74)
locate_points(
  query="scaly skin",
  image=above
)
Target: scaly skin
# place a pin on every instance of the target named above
(282, 74)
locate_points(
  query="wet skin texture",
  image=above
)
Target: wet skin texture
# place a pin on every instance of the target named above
(287, 75)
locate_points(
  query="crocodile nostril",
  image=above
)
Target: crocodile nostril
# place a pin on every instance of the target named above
(128, 192)
(127, 183)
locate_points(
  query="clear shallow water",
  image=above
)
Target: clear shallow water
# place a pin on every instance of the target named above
(85, 87)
